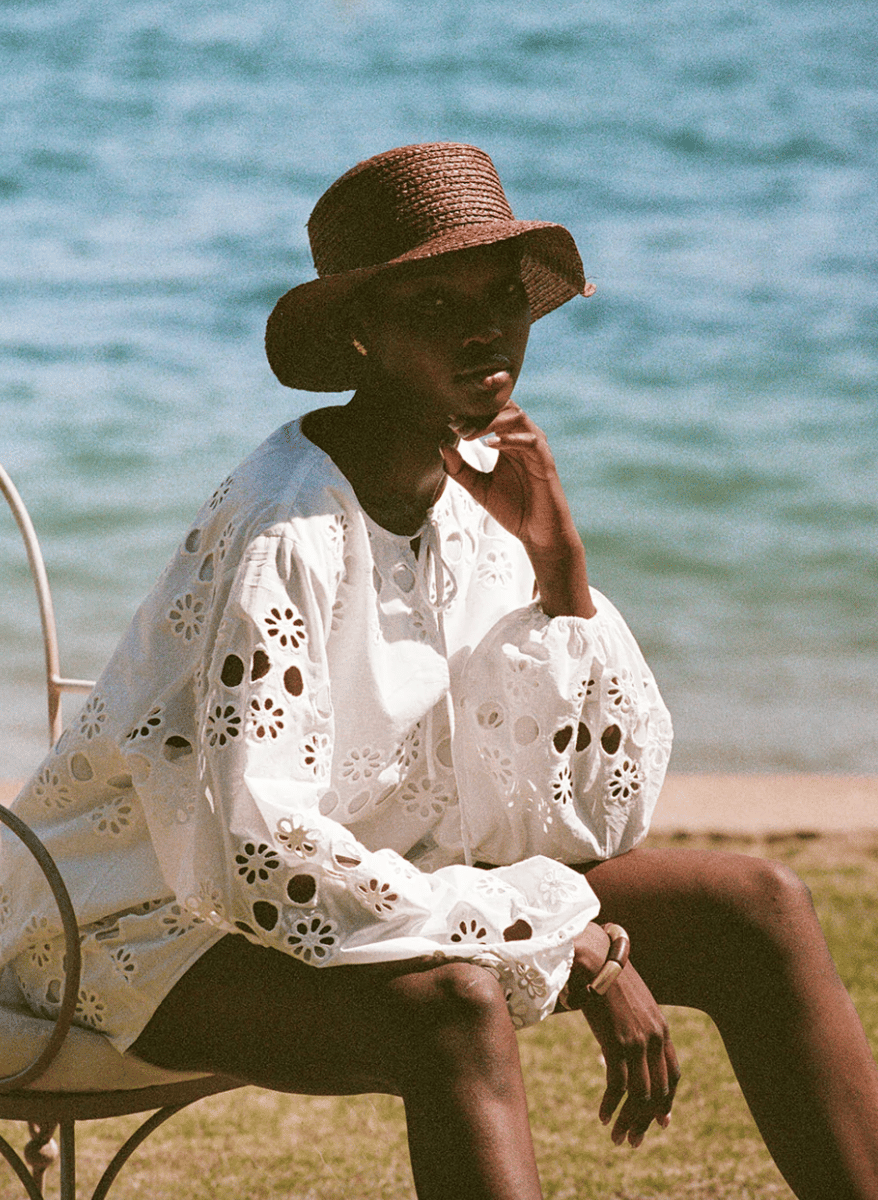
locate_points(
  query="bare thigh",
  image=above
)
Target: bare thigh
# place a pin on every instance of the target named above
(698, 917)
(260, 1015)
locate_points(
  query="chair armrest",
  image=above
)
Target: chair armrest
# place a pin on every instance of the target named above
(73, 961)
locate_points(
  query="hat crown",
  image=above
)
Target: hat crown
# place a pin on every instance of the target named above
(390, 204)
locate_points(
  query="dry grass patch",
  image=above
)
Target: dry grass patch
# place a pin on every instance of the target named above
(255, 1145)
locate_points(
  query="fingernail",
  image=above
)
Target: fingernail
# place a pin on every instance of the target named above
(665, 1120)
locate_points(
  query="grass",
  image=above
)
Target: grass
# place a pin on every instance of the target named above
(254, 1145)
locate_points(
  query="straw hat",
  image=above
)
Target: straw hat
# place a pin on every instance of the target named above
(408, 204)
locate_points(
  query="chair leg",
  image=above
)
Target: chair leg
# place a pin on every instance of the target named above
(41, 1151)
(68, 1160)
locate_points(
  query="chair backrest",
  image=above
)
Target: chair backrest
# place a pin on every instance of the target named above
(56, 684)
(49, 1055)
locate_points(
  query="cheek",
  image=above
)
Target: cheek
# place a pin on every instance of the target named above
(410, 355)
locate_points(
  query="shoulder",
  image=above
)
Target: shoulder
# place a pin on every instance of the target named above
(288, 489)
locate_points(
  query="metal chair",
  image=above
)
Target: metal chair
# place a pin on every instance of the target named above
(54, 1075)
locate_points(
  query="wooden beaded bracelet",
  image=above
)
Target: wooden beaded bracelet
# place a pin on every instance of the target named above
(614, 963)
(613, 966)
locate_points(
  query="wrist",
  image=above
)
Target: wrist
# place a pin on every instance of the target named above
(599, 957)
(562, 580)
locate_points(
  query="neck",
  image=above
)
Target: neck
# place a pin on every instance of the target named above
(395, 468)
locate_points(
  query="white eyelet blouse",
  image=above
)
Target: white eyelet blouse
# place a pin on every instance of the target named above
(312, 730)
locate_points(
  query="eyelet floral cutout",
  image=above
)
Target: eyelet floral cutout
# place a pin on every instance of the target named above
(562, 784)
(378, 897)
(91, 1009)
(624, 783)
(187, 616)
(296, 836)
(224, 541)
(148, 725)
(220, 494)
(124, 962)
(113, 818)
(40, 932)
(499, 765)
(360, 764)
(521, 679)
(335, 531)
(92, 718)
(5, 908)
(494, 570)
(492, 885)
(265, 718)
(620, 692)
(286, 626)
(585, 690)
(51, 790)
(255, 862)
(410, 750)
(338, 612)
(315, 754)
(421, 626)
(312, 938)
(467, 926)
(424, 798)
(208, 904)
(530, 980)
(177, 921)
(556, 888)
(223, 723)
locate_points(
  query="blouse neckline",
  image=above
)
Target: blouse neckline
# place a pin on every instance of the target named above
(402, 539)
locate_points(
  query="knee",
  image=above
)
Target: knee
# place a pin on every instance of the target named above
(772, 896)
(453, 1015)
(455, 995)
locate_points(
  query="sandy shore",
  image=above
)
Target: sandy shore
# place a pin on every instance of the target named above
(748, 804)
(759, 804)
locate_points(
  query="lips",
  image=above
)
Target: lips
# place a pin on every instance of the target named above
(496, 364)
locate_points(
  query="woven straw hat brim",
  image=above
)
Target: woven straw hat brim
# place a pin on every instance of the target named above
(308, 340)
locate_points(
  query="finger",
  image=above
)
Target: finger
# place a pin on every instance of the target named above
(473, 481)
(617, 1086)
(658, 1074)
(517, 439)
(639, 1081)
(672, 1068)
(631, 1123)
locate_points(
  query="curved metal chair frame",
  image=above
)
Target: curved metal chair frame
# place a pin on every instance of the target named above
(46, 1111)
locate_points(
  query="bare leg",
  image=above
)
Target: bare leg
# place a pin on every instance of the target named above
(439, 1036)
(738, 938)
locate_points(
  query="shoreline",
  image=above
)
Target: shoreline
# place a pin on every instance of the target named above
(744, 804)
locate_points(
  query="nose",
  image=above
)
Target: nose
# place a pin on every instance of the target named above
(483, 334)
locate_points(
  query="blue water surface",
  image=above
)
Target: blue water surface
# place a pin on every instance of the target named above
(712, 408)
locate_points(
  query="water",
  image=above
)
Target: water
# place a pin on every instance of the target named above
(713, 408)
